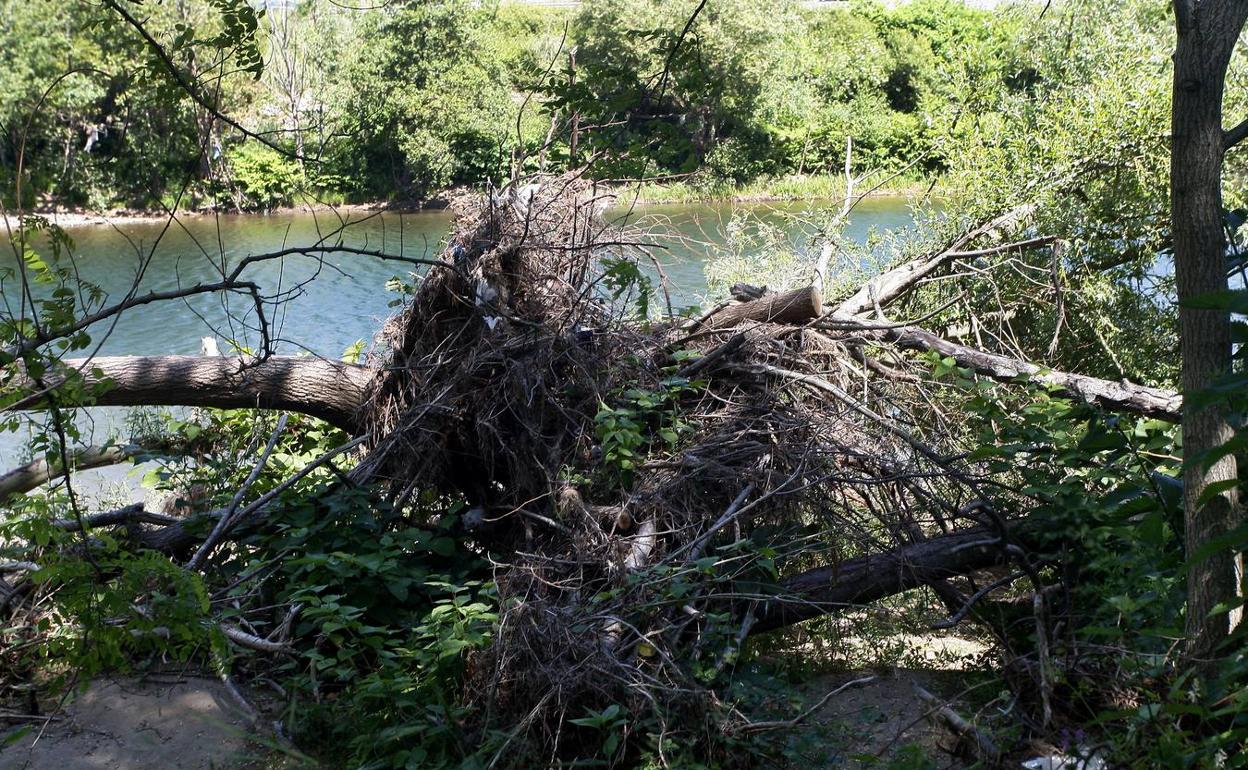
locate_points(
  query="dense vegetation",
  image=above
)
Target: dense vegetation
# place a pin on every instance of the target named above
(407, 99)
(1057, 114)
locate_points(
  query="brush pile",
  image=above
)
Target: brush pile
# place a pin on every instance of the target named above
(640, 485)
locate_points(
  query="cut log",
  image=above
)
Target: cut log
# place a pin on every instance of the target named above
(330, 390)
(861, 581)
(1119, 395)
(796, 306)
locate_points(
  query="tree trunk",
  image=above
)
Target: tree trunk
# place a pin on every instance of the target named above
(796, 306)
(867, 579)
(329, 390)
(1207, 33)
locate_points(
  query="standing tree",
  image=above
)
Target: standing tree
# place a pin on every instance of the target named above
(1207, 33)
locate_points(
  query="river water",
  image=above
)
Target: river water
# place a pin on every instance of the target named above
(344, 300)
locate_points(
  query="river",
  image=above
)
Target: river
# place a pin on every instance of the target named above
(345, 300)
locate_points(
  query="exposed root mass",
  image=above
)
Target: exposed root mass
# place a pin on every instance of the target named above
(590, 449)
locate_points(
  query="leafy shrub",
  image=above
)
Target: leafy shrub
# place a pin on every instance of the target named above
(264, 177)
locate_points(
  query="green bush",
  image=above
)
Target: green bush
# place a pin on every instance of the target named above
(264, 177)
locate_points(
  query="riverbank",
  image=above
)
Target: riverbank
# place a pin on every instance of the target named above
(73, 218)
(787, 189)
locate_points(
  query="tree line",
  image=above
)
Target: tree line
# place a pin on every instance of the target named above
(407, 99)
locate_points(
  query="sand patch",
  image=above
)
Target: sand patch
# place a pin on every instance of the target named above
(187, 724)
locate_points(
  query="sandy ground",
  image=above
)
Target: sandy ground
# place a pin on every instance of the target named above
(879, 719)
(187, 724)
(193, 724)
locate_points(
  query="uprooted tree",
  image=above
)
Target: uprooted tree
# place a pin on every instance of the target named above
(765, 458)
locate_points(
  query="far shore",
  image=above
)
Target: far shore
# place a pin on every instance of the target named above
(72, 218)
(649, 195)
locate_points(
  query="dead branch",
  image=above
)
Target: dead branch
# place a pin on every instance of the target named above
(251, 641)
(985, 749)
(968, 603)
(36, 473)
(891, 284)
(789, 724)
(131, 514)
(1118, 395)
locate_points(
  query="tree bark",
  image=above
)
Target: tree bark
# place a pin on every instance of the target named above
(1207, 32)
(796, 306)
(36, 473)
(856, 582)
(329, 390)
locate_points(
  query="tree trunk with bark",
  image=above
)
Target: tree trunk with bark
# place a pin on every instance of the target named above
(330, 390)
(1207, 34)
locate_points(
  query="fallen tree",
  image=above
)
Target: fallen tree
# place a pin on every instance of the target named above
(581, 450)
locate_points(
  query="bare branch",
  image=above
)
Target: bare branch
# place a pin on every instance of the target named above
(44, 336)
(1118, 395)
(1234, 135)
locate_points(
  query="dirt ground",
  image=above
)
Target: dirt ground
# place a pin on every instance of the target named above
(176, 724)
(193, 724)
(871, 723)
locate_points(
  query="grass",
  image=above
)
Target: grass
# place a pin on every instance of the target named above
(779, 188)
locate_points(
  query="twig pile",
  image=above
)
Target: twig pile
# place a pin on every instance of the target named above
(627, 582)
